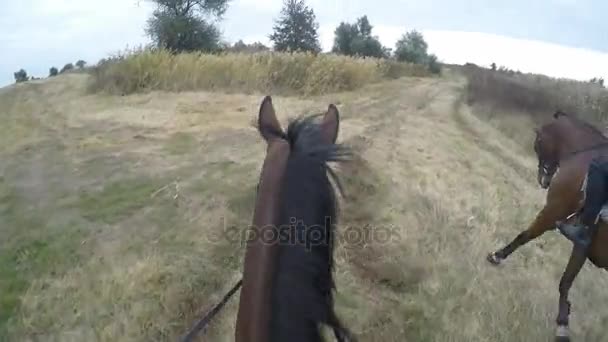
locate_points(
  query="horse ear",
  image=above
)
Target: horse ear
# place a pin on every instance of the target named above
(330, 125)
(268, 124)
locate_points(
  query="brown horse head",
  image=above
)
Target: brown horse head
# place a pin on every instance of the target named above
(287, 278)
(563, 136)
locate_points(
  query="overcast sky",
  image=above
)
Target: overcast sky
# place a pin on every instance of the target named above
(564, 38)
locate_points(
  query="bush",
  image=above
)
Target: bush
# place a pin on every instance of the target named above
(412, 47)
(21, 76)
(53, 72)
(292, 73)
(433, 64)
(67, 67)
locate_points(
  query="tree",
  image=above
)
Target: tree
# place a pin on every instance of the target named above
(345, 33)
(365, 28)
(67, 67)
(182, 25)
(493, 66)
(412, 48)
(296, 30)
(368, 47)
(53, 72)
(80, 64)
(356, 39)
(20, 76)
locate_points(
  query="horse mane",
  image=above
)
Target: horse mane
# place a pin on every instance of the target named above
(303, 282)
(582, 123)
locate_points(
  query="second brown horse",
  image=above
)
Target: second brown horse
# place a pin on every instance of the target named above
(564, 147)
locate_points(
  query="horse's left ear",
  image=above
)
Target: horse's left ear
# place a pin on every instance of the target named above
(330, 125)
(268, 124)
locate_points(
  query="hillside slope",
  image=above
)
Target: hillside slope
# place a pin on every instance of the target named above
(111, 208)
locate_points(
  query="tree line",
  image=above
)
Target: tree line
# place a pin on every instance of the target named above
(184, 25)
(188, 25)
(21, 75)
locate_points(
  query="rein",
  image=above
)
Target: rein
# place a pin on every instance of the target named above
(205, 320)
(586, 149)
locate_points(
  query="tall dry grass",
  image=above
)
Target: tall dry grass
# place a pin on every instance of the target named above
(141, 70)
(537, 95)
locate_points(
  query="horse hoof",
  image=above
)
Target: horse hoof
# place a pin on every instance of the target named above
(493, 259)
(562, 334)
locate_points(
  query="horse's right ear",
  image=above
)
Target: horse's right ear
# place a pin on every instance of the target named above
(330, 125)
(268, 124)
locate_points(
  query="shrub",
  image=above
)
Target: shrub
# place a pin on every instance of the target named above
(21, 76)
(67, 67)
(433, 65)
(412, 47)
(53, 72)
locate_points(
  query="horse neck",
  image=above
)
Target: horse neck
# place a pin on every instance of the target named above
(573, 140)
(303, 274)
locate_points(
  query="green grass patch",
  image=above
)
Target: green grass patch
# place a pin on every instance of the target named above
(34, 243)
(180, 143)
(117, 200)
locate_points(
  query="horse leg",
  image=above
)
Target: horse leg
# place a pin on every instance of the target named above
(575, 264)
(544, 221)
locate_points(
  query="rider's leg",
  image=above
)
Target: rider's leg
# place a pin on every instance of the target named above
(596, 196)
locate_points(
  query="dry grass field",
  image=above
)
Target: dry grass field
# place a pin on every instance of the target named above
(112, 210)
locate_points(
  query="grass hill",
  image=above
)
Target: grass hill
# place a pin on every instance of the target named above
(111, 203)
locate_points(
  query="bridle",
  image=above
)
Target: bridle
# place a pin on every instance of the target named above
(542, 164)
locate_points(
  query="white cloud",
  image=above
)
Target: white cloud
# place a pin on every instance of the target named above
(519, 54)
(266, 5)
(483, 49)
(57, 32)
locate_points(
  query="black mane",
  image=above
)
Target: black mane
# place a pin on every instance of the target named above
(303, 281)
